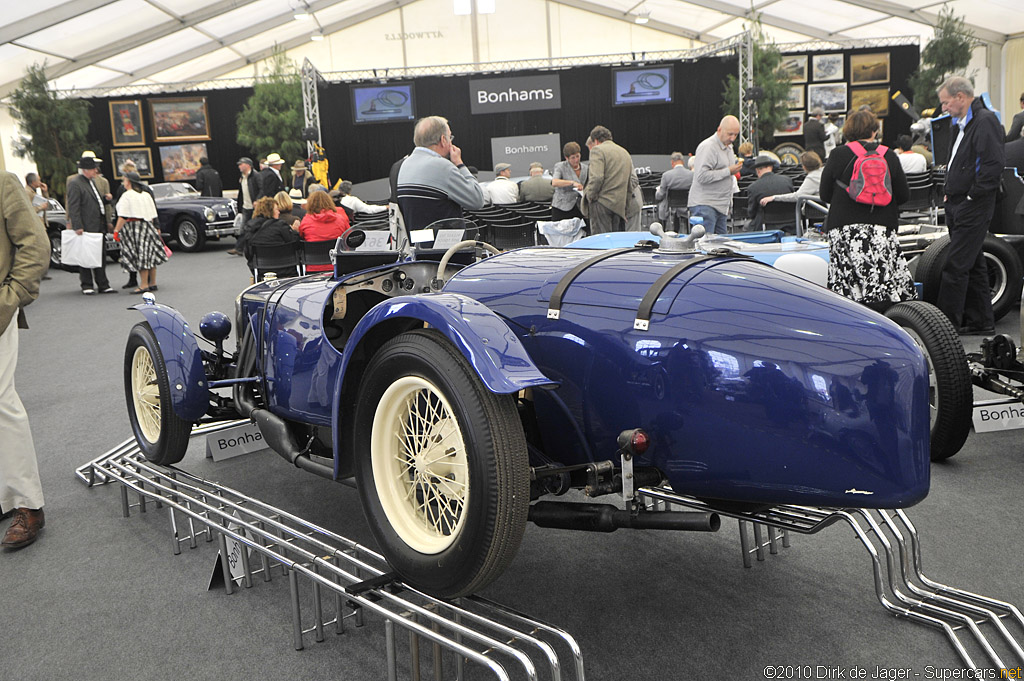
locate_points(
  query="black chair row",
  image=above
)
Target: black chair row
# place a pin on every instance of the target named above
(291, 260)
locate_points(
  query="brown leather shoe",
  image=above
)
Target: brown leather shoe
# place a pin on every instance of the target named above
(24, 529)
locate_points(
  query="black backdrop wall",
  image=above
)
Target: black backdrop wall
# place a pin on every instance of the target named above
(365, 152)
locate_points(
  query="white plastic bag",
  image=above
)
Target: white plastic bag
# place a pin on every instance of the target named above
(562, 232)
(84, 250)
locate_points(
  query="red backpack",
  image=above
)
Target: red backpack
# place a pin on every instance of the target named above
(870, 182)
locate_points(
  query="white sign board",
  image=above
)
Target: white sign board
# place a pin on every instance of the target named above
(376, 240)
(446, 238)
(235, 549)
(421, 236)
(991, 417)
(225, 444)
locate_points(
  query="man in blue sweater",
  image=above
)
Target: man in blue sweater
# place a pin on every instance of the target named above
(433, 182)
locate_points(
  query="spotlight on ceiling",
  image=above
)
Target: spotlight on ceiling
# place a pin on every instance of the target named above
(301, 15)
(643, 17)
(317, 37)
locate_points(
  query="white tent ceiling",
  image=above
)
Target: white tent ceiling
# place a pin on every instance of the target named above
(111, 43)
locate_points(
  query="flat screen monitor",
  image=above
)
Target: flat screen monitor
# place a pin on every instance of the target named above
(385, 103)
(642, 85)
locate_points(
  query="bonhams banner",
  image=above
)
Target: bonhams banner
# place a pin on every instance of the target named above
(522, 150)
(525, 93)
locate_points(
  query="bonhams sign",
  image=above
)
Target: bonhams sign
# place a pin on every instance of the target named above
(525, 93)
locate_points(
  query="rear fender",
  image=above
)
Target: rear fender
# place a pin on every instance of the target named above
(190, 396)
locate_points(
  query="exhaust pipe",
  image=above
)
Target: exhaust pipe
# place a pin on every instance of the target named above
(276, 434)
(607, 518)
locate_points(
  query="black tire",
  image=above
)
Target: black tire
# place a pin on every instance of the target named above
(950, 395)
(162, 436)
(1005, 272)
(55, 251)
(460, 546)
(191, 237)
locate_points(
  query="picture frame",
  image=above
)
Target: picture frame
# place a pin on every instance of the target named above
(831, 97)
(179, 119)
(795, 98)
(793, 125)
(180, 162)
(126, 127)
(143, 158)
(827, 67)
(875, 97)
(869, 69)
(795, 67)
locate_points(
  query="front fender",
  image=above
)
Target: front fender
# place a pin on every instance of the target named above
(185, 372)
(496, 354)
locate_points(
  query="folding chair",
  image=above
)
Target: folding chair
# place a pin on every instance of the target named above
(677, 202)
(317, 254)
(284, 260)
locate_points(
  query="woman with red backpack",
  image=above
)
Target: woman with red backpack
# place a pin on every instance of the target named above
(864, 184)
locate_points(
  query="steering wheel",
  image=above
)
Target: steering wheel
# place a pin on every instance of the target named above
(438, 281)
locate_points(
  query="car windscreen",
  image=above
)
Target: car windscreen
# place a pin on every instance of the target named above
(164, 190)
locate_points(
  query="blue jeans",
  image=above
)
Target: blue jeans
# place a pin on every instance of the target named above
(714, 222)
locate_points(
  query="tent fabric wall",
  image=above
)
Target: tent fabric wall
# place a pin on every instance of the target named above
(366, 152)
(1013, 74)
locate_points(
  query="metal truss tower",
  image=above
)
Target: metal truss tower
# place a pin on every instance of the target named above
(310, 79)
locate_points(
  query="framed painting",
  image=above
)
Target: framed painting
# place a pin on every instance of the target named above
(126, 123)
(795, 98)
(179, 119)
(875, 97)
(792, 125)
(143, 161)
(867, 69)
(831, 97)
(181, 161)
(827, 67)
(794, 66)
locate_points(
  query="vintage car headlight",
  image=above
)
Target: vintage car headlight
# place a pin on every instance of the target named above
(209, 214)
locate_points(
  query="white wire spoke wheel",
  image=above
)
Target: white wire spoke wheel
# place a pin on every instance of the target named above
(419, 463)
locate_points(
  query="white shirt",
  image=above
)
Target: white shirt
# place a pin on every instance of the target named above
(913, 162)
(358, 206)
(503, 190)
(133, 204)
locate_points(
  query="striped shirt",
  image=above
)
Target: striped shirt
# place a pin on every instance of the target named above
(432, 188)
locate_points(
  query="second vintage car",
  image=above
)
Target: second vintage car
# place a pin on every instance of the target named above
(189, 218)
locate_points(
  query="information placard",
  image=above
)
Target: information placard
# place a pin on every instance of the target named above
(446, 238)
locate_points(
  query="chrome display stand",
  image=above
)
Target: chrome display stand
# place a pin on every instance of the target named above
(345, 579)
(900, 585)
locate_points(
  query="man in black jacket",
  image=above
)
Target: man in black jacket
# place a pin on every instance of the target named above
(766, 184)
(269, 182)
(972, 178)
(248, 192)
(208, 179)
(814, 133)
(1017, 125)
(86, 214)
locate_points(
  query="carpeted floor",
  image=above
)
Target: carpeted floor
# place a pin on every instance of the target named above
(101, 597)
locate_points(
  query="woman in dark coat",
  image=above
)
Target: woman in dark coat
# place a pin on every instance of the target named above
(265, 229)
(865, 262)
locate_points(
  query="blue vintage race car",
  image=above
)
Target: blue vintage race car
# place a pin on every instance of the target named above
(457, 389)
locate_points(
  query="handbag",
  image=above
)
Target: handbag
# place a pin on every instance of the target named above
(83, 250)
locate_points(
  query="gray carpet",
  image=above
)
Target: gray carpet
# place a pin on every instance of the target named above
(103, 597)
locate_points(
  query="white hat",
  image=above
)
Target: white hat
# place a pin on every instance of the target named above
(274, 160)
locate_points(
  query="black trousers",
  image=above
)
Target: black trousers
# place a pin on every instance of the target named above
(964, 295)
(95, 278)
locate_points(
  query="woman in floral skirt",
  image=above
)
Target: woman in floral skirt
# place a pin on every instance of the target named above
(142, 249)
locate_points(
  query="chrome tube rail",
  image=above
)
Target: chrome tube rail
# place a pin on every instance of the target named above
(901, 586)
(345, 578)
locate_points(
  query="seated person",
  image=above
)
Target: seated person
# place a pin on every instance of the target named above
(265, 229)
(809, 187)
(503, 190)
(912, 161)
(746, 153)
(538, 188)
(323, 222)
(355, 204)
(678, 177)
(290, 212)
(768, 183)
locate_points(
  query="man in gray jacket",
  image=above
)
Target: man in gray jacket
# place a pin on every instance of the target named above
(677, 178)
(433, 182)
(24, 255)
